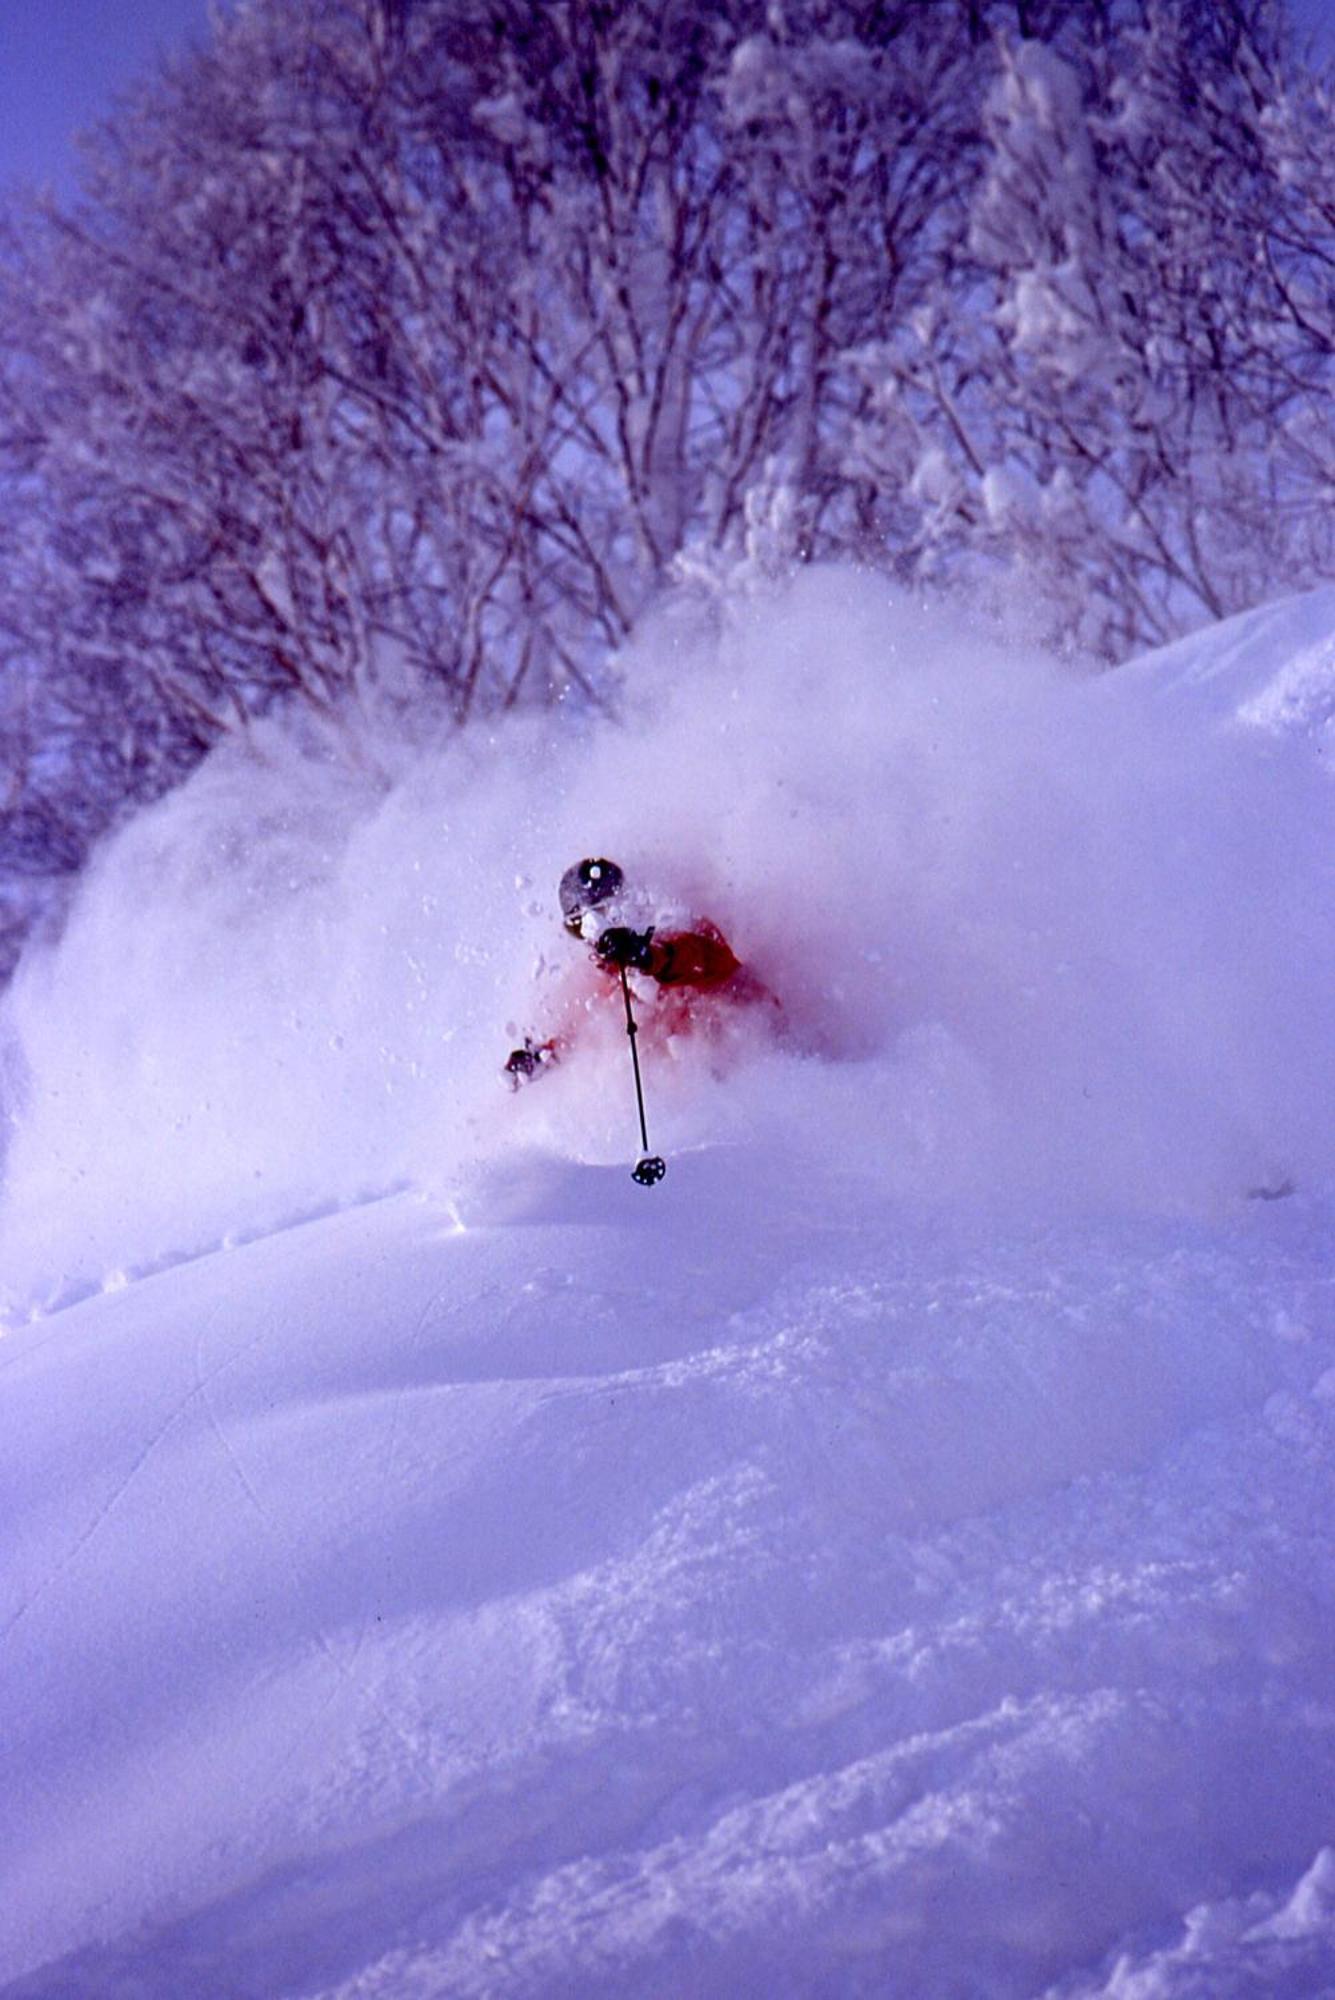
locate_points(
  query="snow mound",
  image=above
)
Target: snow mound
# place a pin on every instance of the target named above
(1272, 669)
(751, 1586)
(1257, 1947)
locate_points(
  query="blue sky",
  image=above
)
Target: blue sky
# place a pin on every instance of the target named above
(60, 63)
(1317, 19)
(62, 60)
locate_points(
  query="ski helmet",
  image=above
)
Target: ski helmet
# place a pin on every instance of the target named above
(584, 886)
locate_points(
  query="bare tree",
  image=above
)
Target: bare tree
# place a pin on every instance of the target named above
(442, 330)
(1125, 397)
(405, 349)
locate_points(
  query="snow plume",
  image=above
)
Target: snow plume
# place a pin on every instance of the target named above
(1038, 935)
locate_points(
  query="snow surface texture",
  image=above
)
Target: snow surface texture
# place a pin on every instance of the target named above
(889, 1558)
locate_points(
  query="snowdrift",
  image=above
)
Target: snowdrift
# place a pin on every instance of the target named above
(758, 1589)
(748, 1587)
(889, 1558)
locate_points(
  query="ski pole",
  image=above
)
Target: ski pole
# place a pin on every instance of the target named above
(649, 1168)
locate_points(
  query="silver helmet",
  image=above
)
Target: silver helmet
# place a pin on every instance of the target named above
(584, 887)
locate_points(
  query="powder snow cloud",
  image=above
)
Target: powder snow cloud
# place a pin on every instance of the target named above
(1041, 935)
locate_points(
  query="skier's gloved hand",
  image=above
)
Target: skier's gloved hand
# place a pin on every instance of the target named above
(624, 947)
(531, 1060)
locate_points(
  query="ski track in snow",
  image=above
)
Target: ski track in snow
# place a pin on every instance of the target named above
(800, 1597)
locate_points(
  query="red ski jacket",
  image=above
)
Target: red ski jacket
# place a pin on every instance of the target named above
(683, 963)
(702, 958)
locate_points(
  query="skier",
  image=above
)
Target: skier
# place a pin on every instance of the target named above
(684, 964)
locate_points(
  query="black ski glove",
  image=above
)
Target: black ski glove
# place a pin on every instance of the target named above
(531, 1060)
(620, 946)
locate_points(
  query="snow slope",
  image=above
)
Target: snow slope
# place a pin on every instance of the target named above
(751, 1586)
(891, 1557)
(1272, 669)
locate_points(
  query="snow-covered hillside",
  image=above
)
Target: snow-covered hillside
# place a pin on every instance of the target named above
(891, 1557)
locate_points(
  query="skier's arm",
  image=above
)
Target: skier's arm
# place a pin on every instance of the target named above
(700, 957)
(580, 995)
